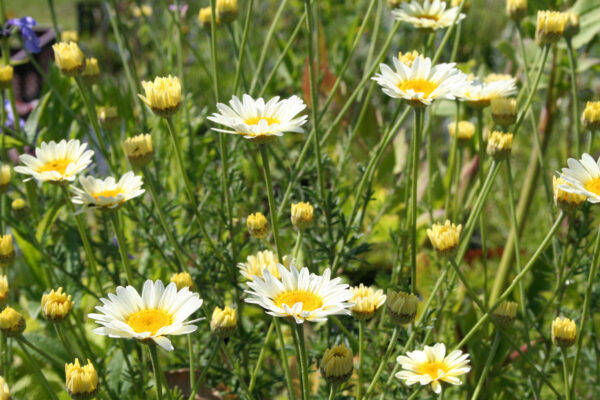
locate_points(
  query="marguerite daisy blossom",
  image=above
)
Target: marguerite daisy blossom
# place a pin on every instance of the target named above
(430, 15)
(421, 83)
(300, 294)
(582, 177)
(260, 121)
(56, 162)
(480, 94)
(154, 315)
(431, 365)
(107, 193)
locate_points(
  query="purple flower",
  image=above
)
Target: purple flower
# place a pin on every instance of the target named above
(25, 26)
(182, 9)
(10, 118)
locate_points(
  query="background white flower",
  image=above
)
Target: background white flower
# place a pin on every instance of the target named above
(583, 177)
(107, 193)
(427, 14)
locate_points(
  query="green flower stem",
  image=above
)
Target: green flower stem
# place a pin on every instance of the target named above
(236, 368)
(114, 219)
(284, 359)
(158, 375)
(6, 59)
(590, 142)
(452, 170)
(302, 359)
(266, 43)
(384, 361)
(93, 266)
(575, 97)
(314, 111)
(190, 191)
(533, 89)
(53, 17)
(332, 391)
(261, 357)
(345, 331)
(448, 33)
(418, 126)
(481, 149)
(238, 70)
(515, 280)
(215, 349)
(190, 341)
(63, 339)
(264, 152)
(486, 367)
(565, 364)
(298, 245)
(586, 307)
(36, 369)
(361, 351)
(150, 184)
(519, 264)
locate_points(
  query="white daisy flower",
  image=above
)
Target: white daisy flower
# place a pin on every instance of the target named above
(107, 193)
(260, 121)
(154, 315)
(582, 177)
(430, 15)
(421, 83)
(300, 294)
(56, 162)
(431, 365)
(480, 94)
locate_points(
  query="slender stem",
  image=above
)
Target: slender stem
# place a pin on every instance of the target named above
(481, 149)
(190, 191)
(413, 198)
(303, 360)
(261, 357)
(332, 390)
(264, 152)
(191, 357)
(211, 357)
(565, 373)
(238, 69)
(284, 359)
(575, 97)
(487, 366)
(361, 351)
(157, 370)
(384, 361)
(63, 339)
(586, 307)
(448, 33)
(84, 238)
(533, 89)
(298, 245)
(122, 243)
(36, 369)
(149, 180)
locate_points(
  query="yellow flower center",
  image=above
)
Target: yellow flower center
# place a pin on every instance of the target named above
(150, 320)
(593, 186)
(428, 16)
(108, 193)
(419, 86)
(310, 301)
(59, 166)
(433, 368)
(256, 120)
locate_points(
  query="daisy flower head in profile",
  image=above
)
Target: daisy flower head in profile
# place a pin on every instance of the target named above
(56, 162)
(152, 316)
(479, 94)
(431, 366)
(582, 177)
(421, 83)
(299, 294)
(428, 15)
(259, 121)
(107, 194)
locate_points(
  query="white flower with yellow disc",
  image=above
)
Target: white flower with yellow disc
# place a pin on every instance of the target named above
(582, 177)
(427, 14)
(107, 193)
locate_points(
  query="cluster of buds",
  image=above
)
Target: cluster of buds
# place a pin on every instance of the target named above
(56, 305)
(563, 199)
(366, 301)
(504, 110)
(444, 238)
(500, 145)
(182, 280)
(337, 365)
(138, 149)
(81, 381)
(224, 321)
(258, 226)
(402, 307)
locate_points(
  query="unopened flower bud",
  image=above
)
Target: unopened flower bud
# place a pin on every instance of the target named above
(402, 307)
(223, 321)
(12, 322)
(81, 381)
(504, 110)
(6, 76)
(163, 96)
(564, 332)
(56, 305)
(516, 9)
(258, 226)
(408, 58)
(571, 25)
(302, 215)
(337, 365)
(550, 26)
(19, 208)
(7, 250)
(182, 280)
(591, 115)
(366, 301)
(564, 199)
(500, 145)
(466, 130)
(108, 117)
(444, 238)
(3, 291)
(227, 10)
(91, 72)
(505, 313)
(5, 172)
(138, 149)
(69, 58)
